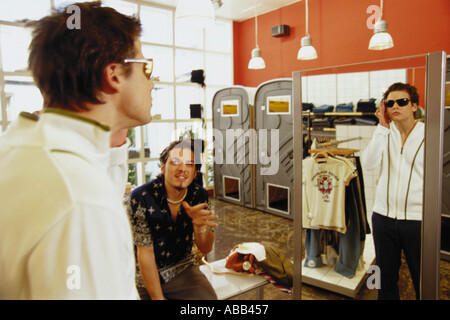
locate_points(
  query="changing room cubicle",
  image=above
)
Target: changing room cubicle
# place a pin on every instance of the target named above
(232, 123)
(274, 166)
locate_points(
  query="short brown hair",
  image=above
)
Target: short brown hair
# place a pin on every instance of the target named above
(398, 86)
(67, 64)
(182, 144)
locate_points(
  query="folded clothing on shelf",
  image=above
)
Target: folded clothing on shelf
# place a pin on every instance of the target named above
(307, 106)
(345, 107)
(320, 123)
(323, 108)
(366, 105)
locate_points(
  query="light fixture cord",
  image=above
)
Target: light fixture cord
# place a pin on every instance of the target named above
(306, 3)
(381, 9)
(256, 24)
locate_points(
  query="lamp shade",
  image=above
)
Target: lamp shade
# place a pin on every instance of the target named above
(381, 39)
(195, 12)
(307, 51)
(256, 62)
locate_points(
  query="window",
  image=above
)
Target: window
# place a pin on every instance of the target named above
(14, 47)
(21, 95)
(28, 10)
(175, 51)
(157, 25)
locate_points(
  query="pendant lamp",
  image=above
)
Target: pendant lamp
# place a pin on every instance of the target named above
(307, 51)
(256, 62)
(195, 12)
(381, 39)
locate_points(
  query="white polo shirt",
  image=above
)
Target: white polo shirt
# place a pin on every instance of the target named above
(64, 233)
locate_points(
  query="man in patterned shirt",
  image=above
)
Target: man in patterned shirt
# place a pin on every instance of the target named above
(167, 215)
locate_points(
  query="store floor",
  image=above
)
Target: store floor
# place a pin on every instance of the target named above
(239, 224)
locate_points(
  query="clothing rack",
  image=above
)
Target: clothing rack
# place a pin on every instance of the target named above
(330, 142)
(326, 152)
(310, 115)
(337, 276)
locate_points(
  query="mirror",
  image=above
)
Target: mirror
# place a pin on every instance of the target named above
(356, 89)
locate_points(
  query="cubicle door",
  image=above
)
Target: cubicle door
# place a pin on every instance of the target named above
(274, 168)
(231, 129)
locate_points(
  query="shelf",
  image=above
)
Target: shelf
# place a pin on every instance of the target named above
(326, 278)
(338, 114)
(322, 129)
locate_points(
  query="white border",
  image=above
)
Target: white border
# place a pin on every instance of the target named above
(232, 102)
(274, 98)
(239, 186)
(288, 198)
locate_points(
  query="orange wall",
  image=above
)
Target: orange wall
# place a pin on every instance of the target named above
(339, 34)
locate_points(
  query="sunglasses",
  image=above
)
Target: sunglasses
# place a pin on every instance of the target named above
(148, 65)
(400, 102)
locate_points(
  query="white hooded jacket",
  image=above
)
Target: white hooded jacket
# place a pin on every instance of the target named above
(399, 192)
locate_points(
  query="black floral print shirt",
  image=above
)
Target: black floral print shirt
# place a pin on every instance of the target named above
(153, 226)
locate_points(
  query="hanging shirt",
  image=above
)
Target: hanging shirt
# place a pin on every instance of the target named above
(324, 182)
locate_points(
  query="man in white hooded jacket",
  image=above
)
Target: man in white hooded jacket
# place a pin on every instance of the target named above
(397, 146)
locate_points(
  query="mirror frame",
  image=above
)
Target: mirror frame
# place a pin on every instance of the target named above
(433, 161)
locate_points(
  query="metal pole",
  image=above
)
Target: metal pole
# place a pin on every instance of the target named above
(297, 188)
(433, 160)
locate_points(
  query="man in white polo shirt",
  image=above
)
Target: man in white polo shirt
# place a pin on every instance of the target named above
(64, 233)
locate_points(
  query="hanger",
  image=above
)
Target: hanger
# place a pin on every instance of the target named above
(321, 154)
(326, 152)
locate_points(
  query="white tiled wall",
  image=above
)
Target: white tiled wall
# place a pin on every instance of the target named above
(320, 89)
(365, 134)
(352, 87)
(381, 80)
(349, 87)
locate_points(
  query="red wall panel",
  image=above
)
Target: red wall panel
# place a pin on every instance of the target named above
(340, 35)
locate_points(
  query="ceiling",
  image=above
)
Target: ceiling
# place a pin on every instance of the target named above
(238, 10)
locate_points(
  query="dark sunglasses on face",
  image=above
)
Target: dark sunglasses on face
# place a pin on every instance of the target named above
(400, 102)
(148, 65)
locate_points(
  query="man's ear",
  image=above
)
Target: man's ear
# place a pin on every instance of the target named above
(163, 166)
(415, 106)
(111, 78)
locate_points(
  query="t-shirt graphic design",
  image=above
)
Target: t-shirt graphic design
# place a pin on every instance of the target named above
(325, 186)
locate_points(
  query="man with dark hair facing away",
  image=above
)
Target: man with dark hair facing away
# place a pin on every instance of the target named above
(64, 233)
(168, 215)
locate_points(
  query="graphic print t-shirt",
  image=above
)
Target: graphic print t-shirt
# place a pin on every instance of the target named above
(324, 182)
